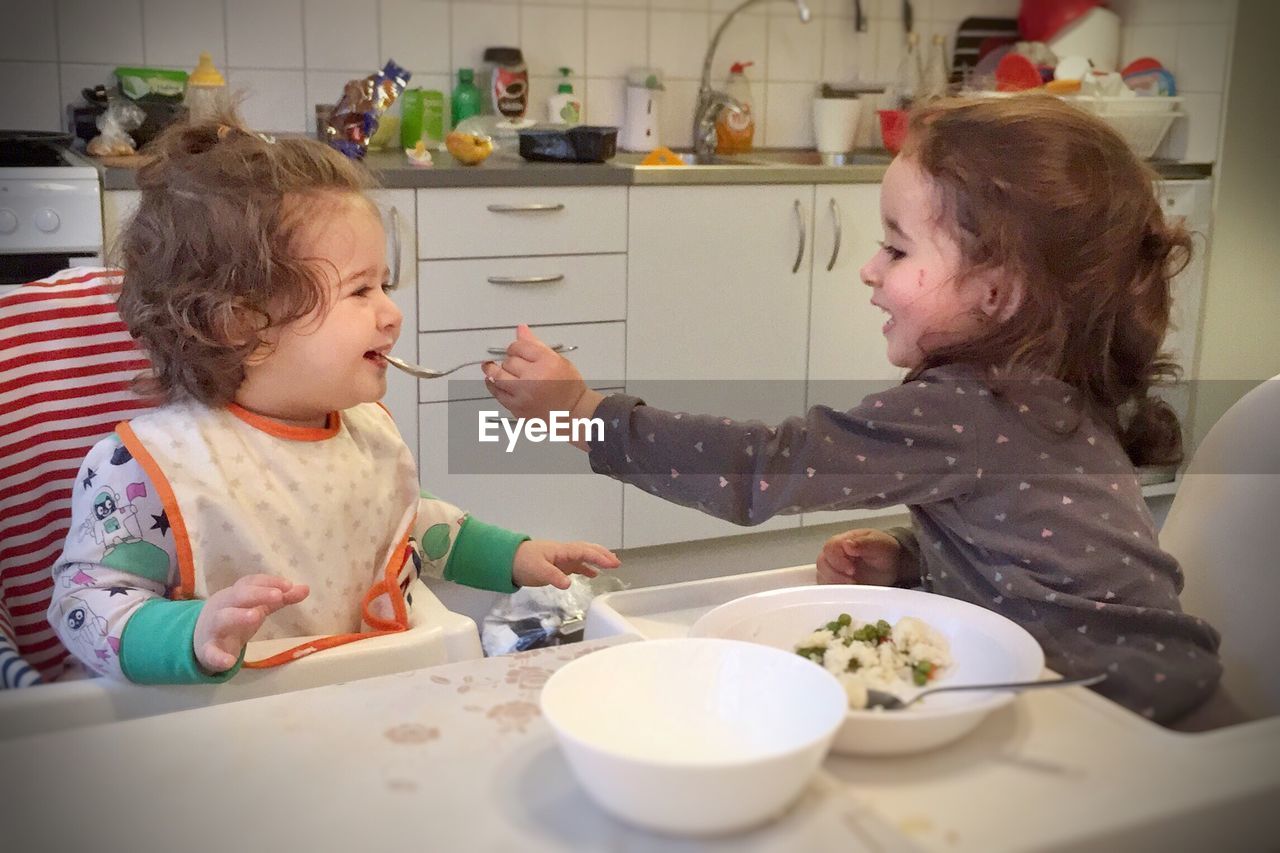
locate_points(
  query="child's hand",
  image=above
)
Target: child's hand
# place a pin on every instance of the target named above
(860, 556)
(232, 616)
(534, 380)
(539, 562)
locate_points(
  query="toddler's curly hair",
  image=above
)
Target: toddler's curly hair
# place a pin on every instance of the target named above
(212, 258)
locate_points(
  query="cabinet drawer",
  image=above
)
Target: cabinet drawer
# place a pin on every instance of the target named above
(545, 490)
(493, 222)
(600, 356)
(482, 293)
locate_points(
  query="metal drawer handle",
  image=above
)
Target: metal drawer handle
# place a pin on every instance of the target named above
(835, 250)
(395, 246)
(525, 279)
(800, 252)
(525, 208)
(554, 348)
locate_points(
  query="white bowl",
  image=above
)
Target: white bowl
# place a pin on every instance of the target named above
(985, 648)
(693, 737)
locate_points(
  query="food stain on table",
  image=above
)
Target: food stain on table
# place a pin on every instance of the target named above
(411, 733)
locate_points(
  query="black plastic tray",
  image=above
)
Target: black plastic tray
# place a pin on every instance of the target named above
(583, 143)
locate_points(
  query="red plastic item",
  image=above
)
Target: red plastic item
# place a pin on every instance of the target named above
(1041, 20)
(1144, 63)
(893, 129)
(1017, 73)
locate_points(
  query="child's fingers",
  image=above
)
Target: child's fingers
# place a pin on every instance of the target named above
(517, 366)
(528, 350)
(214, 659)
(295, 593)
(550, 573)
(588, 552)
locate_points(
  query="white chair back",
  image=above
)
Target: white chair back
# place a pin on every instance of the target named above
(1223, 528)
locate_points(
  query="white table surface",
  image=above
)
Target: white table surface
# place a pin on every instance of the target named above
(457, 757)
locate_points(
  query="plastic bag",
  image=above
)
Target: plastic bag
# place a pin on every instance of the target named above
(538, 616)
(354, 120)
(114, 125)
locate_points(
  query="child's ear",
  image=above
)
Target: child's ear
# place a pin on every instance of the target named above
(240, 325)
(1001, 295)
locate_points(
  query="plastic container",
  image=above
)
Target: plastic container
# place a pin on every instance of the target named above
(421, 118)
(1142, 121)
(467, 100)
(893, 129)
(564, 107)
(735, 129)
(509, 87)
(581, 144)
(206, 90)
(153, 84)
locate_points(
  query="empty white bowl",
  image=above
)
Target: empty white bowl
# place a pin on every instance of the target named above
(986, 648)
(693, 736)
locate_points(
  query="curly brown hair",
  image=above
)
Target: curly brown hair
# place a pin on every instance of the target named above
(212, 257)
(1039, 190)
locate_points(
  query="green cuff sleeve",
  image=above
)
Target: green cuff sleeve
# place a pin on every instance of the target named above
(483, 555)
(157, 645)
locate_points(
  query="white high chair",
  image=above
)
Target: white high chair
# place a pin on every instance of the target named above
(66, 365)
(1222, 528)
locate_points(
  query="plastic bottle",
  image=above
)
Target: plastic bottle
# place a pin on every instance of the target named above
(466, 98)
(937, 77)
(908, 85)
(564, 107)
(206, 90)
(735, 129)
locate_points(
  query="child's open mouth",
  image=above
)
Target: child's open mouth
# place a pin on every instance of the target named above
(375, 356)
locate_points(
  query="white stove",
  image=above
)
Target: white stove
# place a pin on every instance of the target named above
(50, 207)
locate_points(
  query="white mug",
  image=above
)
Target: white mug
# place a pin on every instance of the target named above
(835, 124)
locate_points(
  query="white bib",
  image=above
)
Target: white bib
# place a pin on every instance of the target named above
(331, 507)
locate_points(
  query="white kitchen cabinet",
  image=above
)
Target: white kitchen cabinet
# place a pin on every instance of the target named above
(489, 258)
(717, 320)
(847, 353)
(399, 220)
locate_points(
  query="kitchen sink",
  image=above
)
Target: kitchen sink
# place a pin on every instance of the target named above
(626, 158)
(804, 157)
(771, 157)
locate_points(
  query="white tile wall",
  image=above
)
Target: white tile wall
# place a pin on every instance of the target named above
(290, 54)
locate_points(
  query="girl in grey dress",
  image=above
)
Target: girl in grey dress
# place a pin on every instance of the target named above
(1025, 277)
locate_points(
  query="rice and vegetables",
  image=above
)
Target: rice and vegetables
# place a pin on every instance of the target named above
(877, 655)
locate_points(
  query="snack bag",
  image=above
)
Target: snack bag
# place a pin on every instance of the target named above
(355, 118)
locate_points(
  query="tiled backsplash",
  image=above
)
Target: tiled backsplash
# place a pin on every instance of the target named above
(290, 54)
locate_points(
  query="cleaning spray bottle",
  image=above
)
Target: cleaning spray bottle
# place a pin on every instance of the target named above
(736, 128)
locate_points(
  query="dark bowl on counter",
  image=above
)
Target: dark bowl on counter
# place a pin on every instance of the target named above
(582, 143)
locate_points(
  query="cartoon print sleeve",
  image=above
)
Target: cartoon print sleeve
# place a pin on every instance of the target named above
(461, 548)
(912, 444)
(116, 567)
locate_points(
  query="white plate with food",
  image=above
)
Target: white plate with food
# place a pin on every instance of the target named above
(916, 640)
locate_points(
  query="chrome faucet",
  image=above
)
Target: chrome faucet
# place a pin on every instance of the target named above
(712, 101)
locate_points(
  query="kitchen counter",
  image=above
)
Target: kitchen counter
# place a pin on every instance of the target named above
(766, 166)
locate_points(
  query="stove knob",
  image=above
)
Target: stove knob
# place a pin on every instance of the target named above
(47, 220)
(8, 221)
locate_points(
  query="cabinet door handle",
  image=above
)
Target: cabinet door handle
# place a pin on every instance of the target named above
(395, 246)
(803, 236)
(525, 208)
(553, 348)
(525, 279)
(835, 250)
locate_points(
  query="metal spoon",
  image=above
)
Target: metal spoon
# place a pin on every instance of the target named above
(428, 373)
(889, 702)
